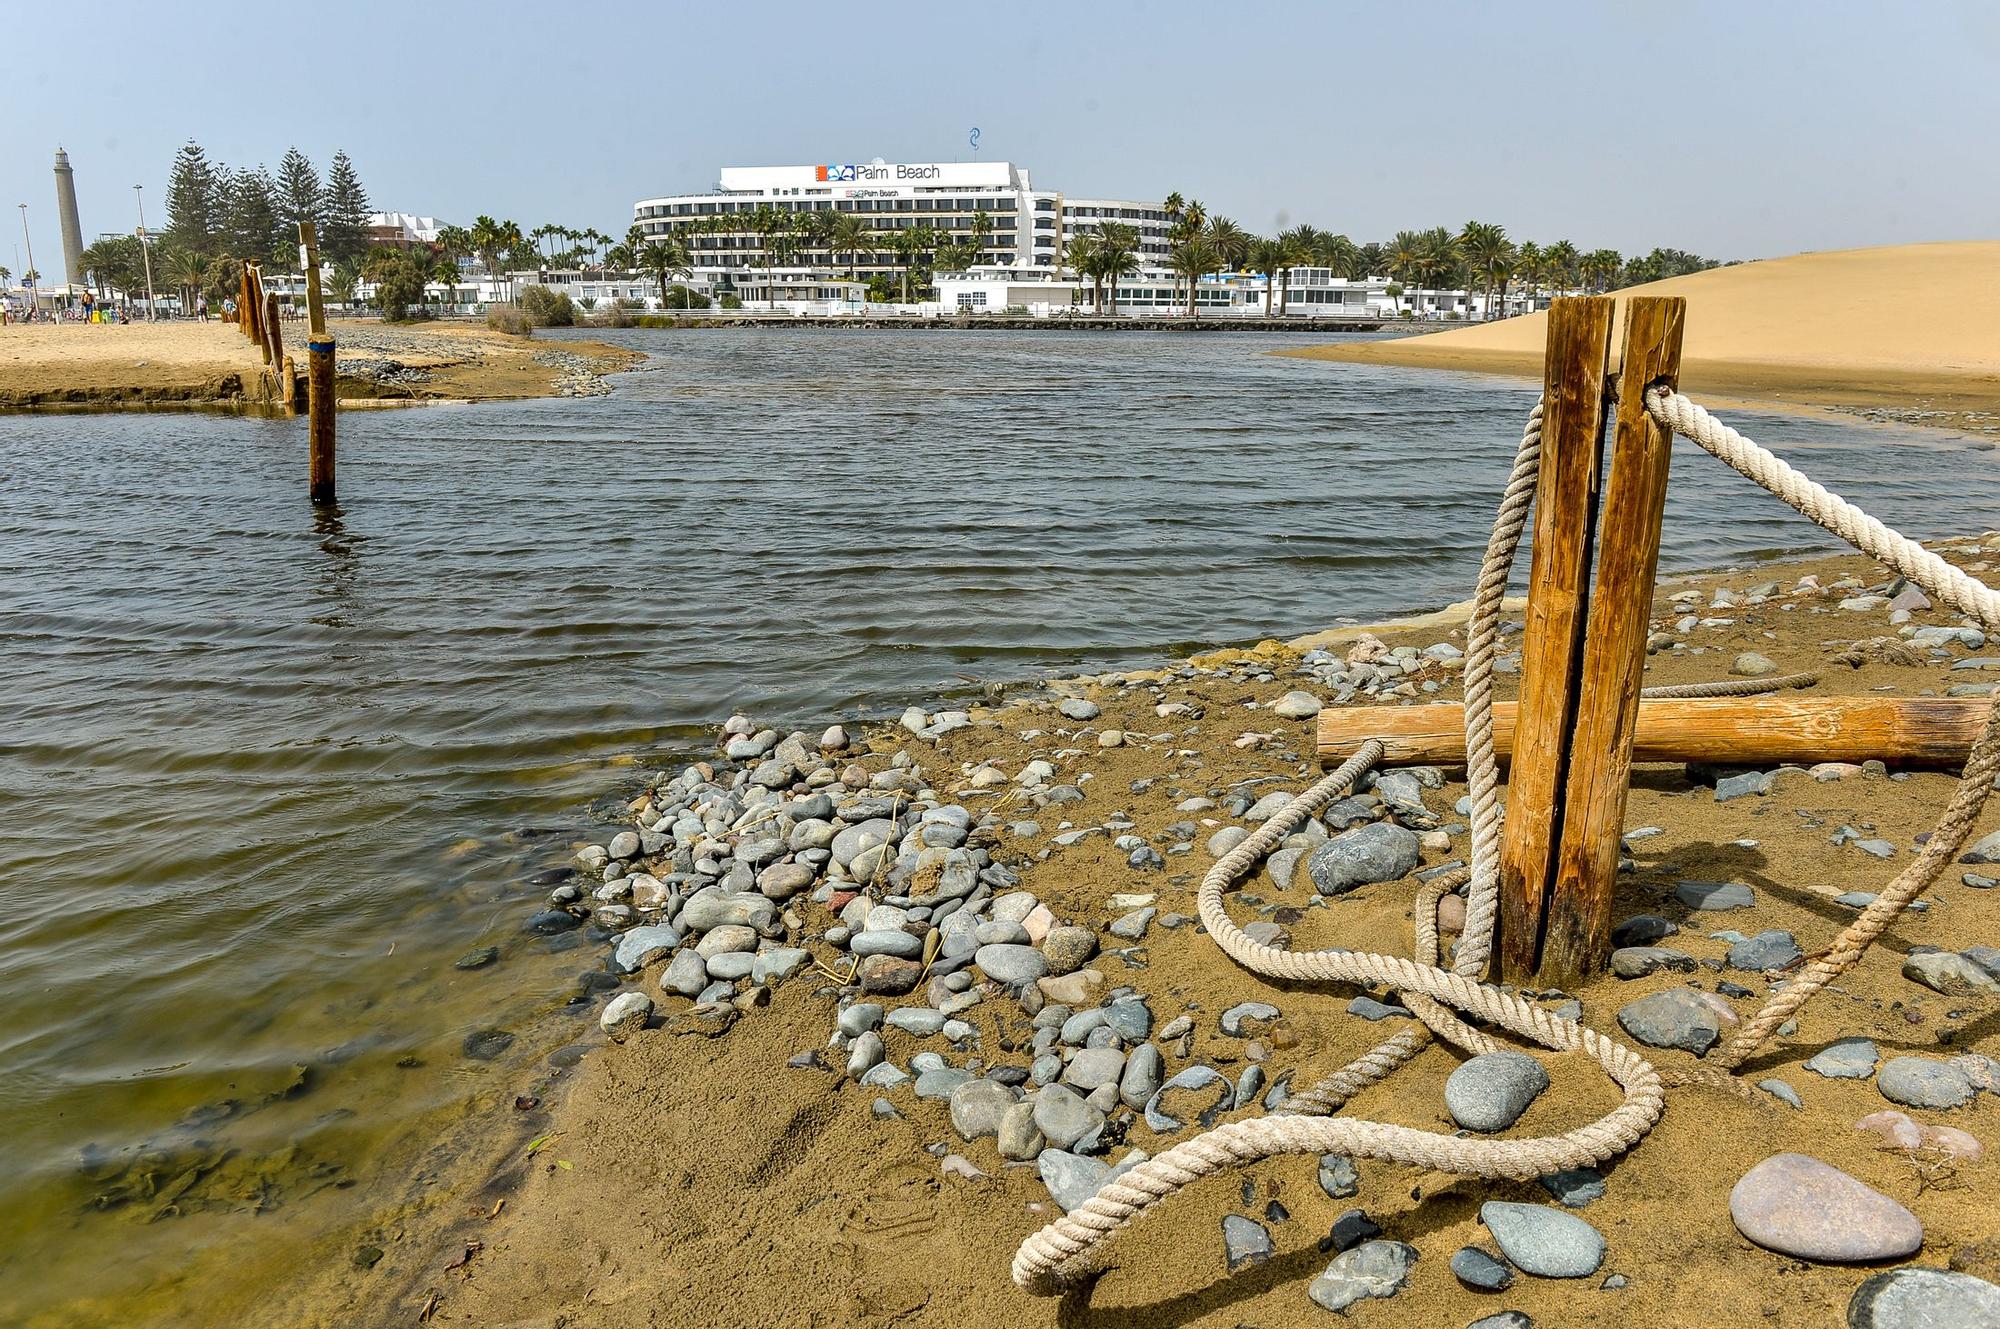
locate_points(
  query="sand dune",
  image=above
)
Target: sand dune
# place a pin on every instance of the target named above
(1906, 327)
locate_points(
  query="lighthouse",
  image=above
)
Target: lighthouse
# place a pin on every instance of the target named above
(72, 229)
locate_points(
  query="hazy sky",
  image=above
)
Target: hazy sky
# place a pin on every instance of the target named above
(1738, 130)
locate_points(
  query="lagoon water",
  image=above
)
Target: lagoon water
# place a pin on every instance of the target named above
(267, 773)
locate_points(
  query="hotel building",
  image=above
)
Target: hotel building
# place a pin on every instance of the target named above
(1023, 226)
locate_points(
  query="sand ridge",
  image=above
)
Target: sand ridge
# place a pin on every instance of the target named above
(1905, 328)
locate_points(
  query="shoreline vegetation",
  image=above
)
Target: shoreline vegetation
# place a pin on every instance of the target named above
(808, 1074)
(1889, 333)
(185, 365)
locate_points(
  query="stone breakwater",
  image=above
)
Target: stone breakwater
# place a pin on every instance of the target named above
(889, 871)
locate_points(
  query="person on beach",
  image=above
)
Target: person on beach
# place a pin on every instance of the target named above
(201, 309)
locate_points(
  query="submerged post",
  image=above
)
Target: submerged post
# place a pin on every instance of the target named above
(319, 374)
(1577, 936)
(1578, 349)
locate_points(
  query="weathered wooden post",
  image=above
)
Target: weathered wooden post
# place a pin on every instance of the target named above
(291, 386)
(274, 336)
(1579, 345)
(319, 374)
(243, 296)
(1577, 936)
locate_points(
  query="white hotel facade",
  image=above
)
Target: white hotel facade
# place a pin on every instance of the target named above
(1028, 227)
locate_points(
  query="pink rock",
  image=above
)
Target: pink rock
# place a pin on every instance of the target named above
(1895, 1127)
(1451, 914)
(1038, 922)
(1799, 1206)
(1959, 1144)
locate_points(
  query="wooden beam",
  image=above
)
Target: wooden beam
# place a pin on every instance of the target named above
(1576, 936)
(1724, 731)
(319, 376)
(1579, 345)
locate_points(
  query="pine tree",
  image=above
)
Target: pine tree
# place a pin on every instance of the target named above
(252, 215)
(194, 189)
(345, 238)
(300, 197)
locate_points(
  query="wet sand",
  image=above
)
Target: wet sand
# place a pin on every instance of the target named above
(683, 1180)
(183, 364)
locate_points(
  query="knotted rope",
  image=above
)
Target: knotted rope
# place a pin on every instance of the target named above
(1053, 1257)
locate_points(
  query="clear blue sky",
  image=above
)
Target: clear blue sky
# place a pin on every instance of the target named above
(1736, 130)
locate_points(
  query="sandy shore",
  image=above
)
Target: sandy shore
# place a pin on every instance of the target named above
(181, 364)
(1899, 332)
(679, 1179)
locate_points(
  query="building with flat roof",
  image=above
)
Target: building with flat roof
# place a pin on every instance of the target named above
(993, 205)
(402, 230)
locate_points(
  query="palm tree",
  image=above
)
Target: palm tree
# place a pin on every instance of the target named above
(1080, 256)
(982, 228)
(1561, 258)
(847, 236)
(1268, 257)
(1117, 256)
(768, 223)
(1406, 261)
(1488, 252)
(1298, 247)
(1193, 258)
(492, 241)
(184, 268)
(664, 258)
(1599, 267)
(1339, 254)
(906, 245)
(1529, 266)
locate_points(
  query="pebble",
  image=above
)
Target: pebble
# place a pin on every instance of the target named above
(1094, 1067)
(643, 945)
(977, 1107)
(1681, 1018)
(1924, 1299)
(1349, 1230)
(1018, 1138)
(1141, 1078)
(1845, 1059)
(1543, 1240)
(1296, 706)
(1920, 1082)
(1079, 708)
(1372, 1269)
(1504, 1320)
(1642, 930)
(1752, 665)
(1475, 1268)
(1244, 1241)
(626, 1012)
(1491, 1091)
(1067, 948)
(1781, 1091)
(1714, 895)
(1639, 961)
(1012, 965)
(1573, 1188)
(1366, 854)
(1768, 950)
(1255, 1013)
(1199, 1094)
(1064, 1117)
(1799, 1206)
(1731, 787)
(1338, 1176)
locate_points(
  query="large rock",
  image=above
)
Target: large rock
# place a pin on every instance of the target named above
(1920, 1082)
(1680, 1018)
(1924, 1299)
(1372, 1269)
(627, 1012)
(1366, 854)
(1951, 974)
(1542, 1240)
(643, 945)
(1296, 706)
(1799, 1206)
(1715, 895)
(1244, 1241)
(1491, 1091)
(1768, 950)
(1064, 1117)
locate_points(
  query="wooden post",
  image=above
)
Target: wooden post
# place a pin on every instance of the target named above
(290, 386)
(1929, 732)
(1576, 938)
(274, 336)
(319, 375)
(1579, 346)
(243, 297)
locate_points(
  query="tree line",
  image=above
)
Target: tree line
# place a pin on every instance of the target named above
(218, 216)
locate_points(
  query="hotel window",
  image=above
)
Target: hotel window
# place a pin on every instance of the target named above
(972, 299)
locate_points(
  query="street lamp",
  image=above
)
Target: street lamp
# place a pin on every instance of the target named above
(146, 253)
(34, 296)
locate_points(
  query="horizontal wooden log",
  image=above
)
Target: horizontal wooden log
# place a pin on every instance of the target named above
(1736, 731)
